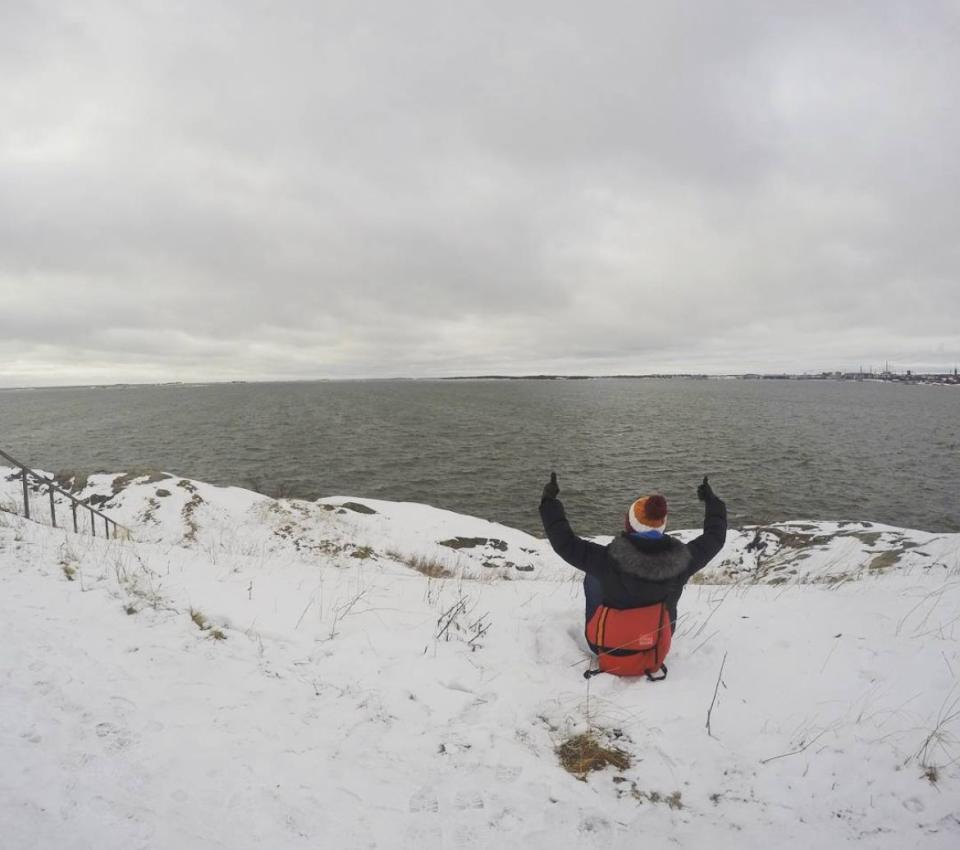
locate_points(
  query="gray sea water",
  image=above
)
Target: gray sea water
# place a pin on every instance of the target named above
(773, 449)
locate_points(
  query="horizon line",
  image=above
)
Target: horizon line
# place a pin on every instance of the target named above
(532, 376)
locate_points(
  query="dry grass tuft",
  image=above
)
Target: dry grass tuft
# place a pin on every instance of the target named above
(199, 620)
(939, 747)
(584, 753)
(429, 568)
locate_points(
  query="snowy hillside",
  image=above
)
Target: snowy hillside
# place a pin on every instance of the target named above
(254, 673)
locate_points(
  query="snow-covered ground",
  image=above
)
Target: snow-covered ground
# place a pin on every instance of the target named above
(254, 673)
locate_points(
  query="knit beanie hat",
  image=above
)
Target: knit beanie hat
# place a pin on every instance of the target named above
(648, 513)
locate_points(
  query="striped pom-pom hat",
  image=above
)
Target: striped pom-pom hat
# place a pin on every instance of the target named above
(648, 513)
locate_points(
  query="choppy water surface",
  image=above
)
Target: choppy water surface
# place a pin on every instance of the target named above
(773, 449)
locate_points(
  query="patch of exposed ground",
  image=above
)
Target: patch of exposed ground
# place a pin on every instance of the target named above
(496, 562)
(356, 507)
(885, 560)
(71, 481)
(189, 510)
(289, 521)
(475, 542)
(148, 476)
(773, 554)
(789, 539)
(149, 513)
(673, 801)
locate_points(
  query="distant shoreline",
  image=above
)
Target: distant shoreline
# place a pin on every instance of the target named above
(911, 379)
(891, 378)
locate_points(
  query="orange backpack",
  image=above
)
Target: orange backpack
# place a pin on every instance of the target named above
(631, 641)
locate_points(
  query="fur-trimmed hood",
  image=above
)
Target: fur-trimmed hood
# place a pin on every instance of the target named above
(654, 560)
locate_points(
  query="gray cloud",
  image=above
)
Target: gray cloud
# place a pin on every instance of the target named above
(342, 189)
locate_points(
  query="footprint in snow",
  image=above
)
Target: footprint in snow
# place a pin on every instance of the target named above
(468, 800)
(83, 759)
(115, 738)
(424, 830)
(595, 827)
(507, 773)
(425, 800)
(417, 835)
(467, 835)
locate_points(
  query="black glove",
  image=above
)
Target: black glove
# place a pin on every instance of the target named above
(552, 489)
(705, 491)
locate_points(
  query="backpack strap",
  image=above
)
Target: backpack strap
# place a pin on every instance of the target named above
(663, 670)
(589, 674)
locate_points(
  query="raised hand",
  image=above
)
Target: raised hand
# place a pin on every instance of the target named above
(705, 491)
(551, 490)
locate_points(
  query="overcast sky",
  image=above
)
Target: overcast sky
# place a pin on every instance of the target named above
(257, 190)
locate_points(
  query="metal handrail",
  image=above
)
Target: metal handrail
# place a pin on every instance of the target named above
(26, 472)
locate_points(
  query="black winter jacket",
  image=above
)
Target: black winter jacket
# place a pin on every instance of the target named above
(636, 572)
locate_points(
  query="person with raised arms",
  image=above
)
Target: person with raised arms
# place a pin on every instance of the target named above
(632, 585)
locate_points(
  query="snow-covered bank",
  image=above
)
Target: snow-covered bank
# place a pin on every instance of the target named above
(358, 699)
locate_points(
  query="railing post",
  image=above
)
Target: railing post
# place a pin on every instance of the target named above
(26, 495)
(53, 509)
(106, 528)
(93, 523)
(73, 508)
